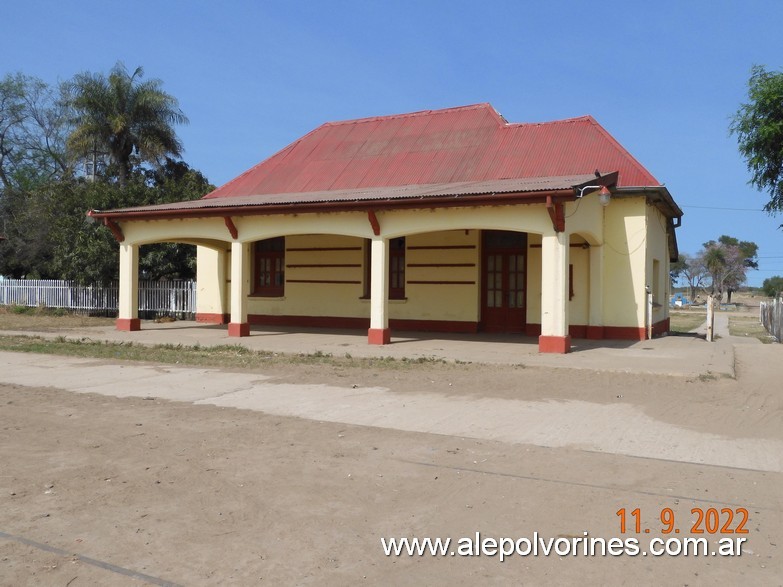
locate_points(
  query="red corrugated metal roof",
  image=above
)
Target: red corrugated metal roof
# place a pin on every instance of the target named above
(466, 144)
(527, 186)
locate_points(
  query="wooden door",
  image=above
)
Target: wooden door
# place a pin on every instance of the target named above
(504, 279)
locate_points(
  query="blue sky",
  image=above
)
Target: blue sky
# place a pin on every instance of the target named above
(664, 78)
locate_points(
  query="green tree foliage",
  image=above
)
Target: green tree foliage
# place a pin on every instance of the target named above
(748, 250)
(758, 125)
(25, 224)
(43, 201)
(123, 117)
(87, 252)
(33, 127)
(773, 286)
(727, 261)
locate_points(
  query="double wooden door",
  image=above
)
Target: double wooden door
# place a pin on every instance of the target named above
(504, 280)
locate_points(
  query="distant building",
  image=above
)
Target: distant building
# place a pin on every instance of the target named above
(448, 220)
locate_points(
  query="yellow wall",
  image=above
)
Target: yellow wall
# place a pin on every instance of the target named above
(427, 301)
(534, 279)
(658, 250)
(423, 301)
(625, 254)
(620, 229)
(212, 278)
(318, 299)
(579, 308)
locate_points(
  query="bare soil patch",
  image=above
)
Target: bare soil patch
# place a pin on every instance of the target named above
(204, 495)
(201, 495)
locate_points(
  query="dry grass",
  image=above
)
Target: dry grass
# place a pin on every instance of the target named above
(747, 325)
(687, 320)
(225, 356)
(45, 319)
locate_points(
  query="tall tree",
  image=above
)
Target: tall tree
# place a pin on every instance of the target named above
(124, 117)
(748, 255)
(758, 125)
(727, 261)
(33, 127)
(12, 117)
(693, 271)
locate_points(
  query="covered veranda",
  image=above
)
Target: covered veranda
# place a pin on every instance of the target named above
(230, 226)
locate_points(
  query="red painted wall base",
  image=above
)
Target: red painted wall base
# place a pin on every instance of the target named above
(577, 331)
(625, 332)
(379, 335)
(128, 324)
(607, 332)
(554, 344)
(594, 332)
(661, 327)
(238, 329)
(208, 318)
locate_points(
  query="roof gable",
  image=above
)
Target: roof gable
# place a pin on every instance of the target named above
(469, 143)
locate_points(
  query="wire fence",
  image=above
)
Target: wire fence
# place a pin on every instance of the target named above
(771, 316)
(156, 298)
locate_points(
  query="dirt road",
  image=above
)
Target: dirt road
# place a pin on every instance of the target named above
(206, 495)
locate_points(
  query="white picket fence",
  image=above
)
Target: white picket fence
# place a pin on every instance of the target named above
(771, 316)
(175, 297)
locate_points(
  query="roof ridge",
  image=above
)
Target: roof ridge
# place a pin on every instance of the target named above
(477, 106)
(583, 118)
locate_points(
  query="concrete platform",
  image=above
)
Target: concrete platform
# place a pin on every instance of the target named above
(684, 355)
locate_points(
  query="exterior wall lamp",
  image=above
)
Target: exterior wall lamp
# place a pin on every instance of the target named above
(604, 196)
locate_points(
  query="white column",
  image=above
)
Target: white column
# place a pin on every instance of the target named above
(128, 314)
(595, 323)
(240, 288)
(379, 332)
(554, 294)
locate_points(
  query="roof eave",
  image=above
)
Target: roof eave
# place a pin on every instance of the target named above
(668, 206)
(446, 201)
(661, 198)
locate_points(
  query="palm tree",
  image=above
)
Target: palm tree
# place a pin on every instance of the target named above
(123, 116)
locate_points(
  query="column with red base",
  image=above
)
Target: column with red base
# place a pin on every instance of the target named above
(379, 332)
(128, 308)
(554, 294)
(240, 287)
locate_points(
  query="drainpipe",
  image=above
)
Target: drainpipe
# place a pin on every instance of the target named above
(649, 311)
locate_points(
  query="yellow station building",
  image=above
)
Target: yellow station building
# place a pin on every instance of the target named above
(449, 220)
